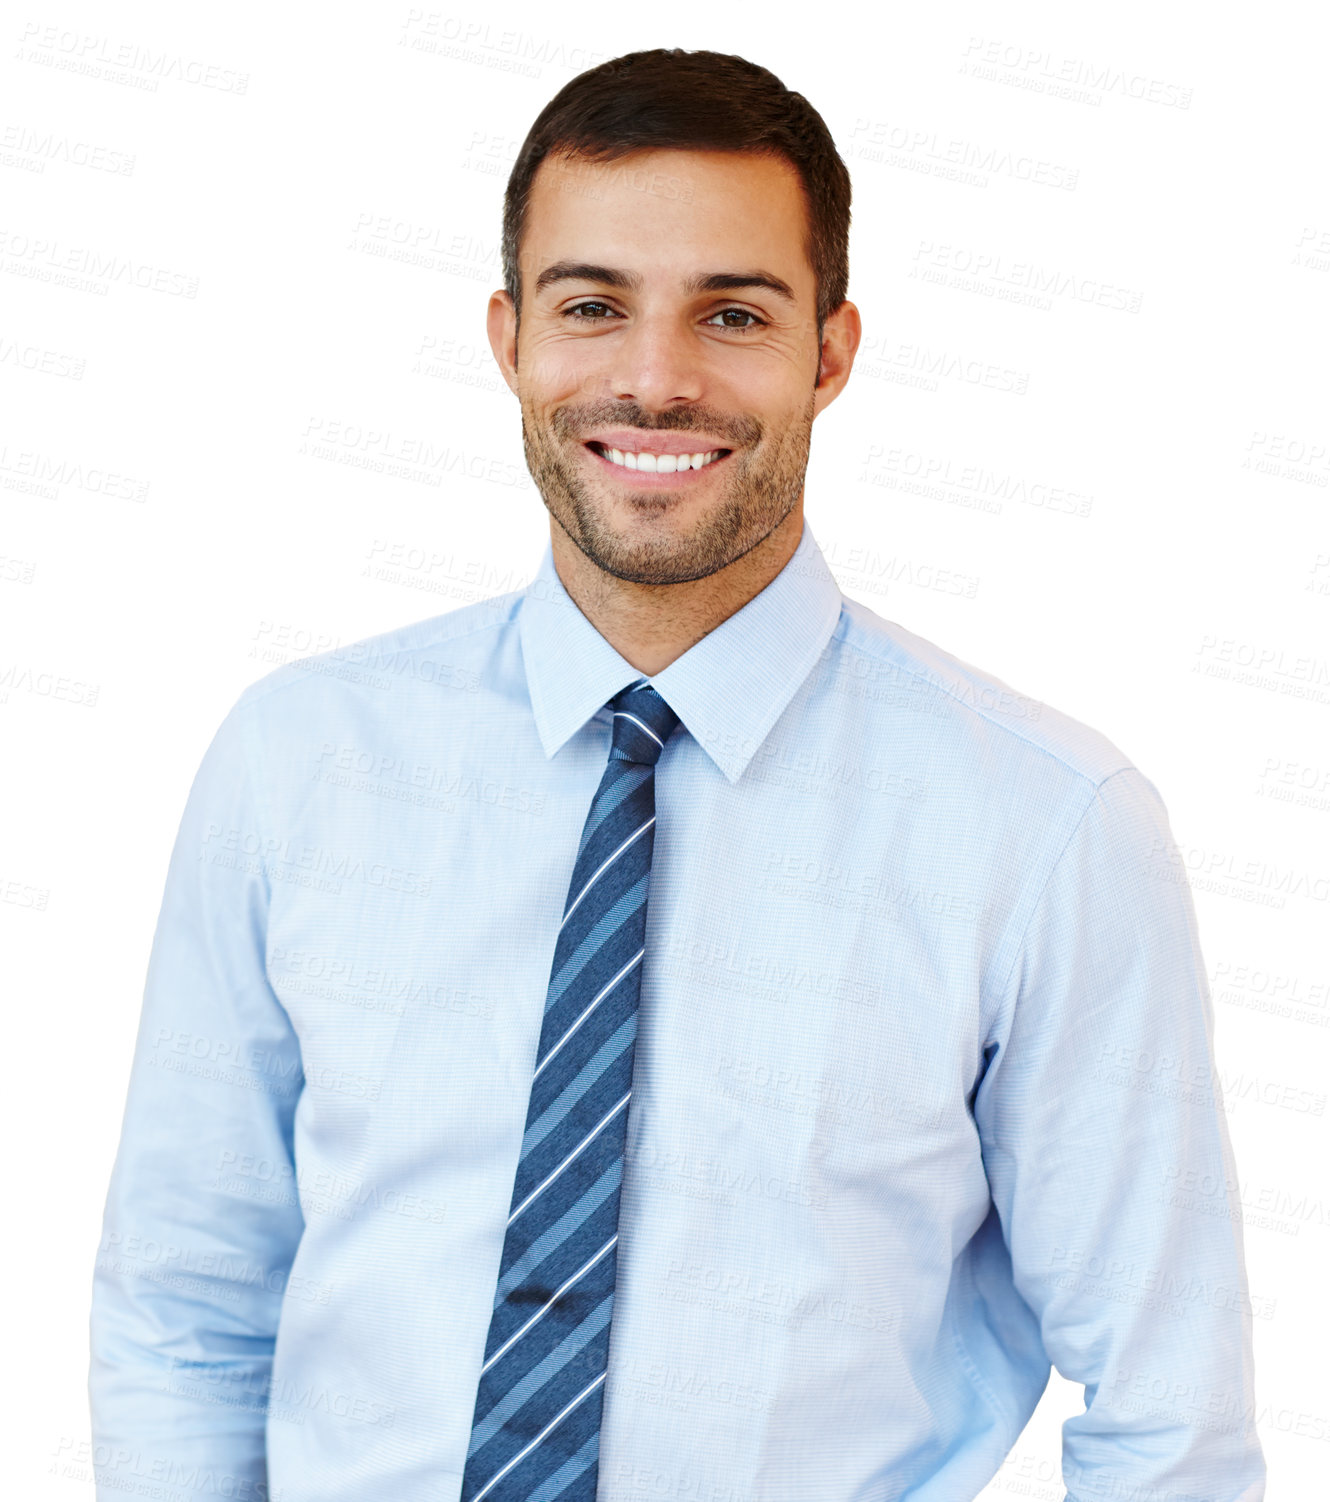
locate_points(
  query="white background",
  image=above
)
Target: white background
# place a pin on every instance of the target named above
(244, 258)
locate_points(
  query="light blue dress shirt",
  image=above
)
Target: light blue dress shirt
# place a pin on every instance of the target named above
(923, 1094)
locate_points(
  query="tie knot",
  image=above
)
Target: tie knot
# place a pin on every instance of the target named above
(643, 722)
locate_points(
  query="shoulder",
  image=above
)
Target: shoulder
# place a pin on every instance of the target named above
(442, 649)
(968, 711)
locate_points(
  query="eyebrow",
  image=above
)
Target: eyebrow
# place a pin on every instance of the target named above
(630, 281)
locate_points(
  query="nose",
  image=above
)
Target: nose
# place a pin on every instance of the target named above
(656, 362)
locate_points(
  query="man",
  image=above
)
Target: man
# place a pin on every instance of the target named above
(669, 1032)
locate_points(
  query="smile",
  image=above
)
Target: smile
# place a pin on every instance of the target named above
(658, 465)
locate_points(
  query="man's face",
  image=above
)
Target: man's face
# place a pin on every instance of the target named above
(623, 351)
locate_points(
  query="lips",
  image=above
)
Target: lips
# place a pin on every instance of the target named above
(640, 440)
(652, 479)
(647, 461)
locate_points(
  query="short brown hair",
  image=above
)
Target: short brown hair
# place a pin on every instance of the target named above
(699, 101)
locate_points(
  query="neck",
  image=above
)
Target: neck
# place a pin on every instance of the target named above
(650, 625)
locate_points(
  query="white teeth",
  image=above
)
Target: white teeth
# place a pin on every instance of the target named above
(662, 464)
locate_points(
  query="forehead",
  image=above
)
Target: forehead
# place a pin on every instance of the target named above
(670, 213)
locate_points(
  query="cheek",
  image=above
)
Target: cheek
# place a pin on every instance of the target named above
(555, 376)
(769, 382)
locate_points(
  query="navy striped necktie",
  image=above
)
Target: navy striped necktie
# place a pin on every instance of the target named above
(535, 1432)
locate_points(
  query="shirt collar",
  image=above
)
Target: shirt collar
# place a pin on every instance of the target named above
(728, 689)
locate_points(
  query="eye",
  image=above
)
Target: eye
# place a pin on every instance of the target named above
(573, 311)
(740, 328)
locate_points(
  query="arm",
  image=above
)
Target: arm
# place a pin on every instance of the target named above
(1100, 1103)
(192, 1261)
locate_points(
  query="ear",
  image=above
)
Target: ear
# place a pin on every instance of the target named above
(501, 325)
(840, 339)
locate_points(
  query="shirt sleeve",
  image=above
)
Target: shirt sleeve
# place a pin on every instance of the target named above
(202, 1220)
(1109, 1162)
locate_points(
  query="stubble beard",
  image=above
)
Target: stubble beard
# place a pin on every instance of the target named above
(756, 495)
